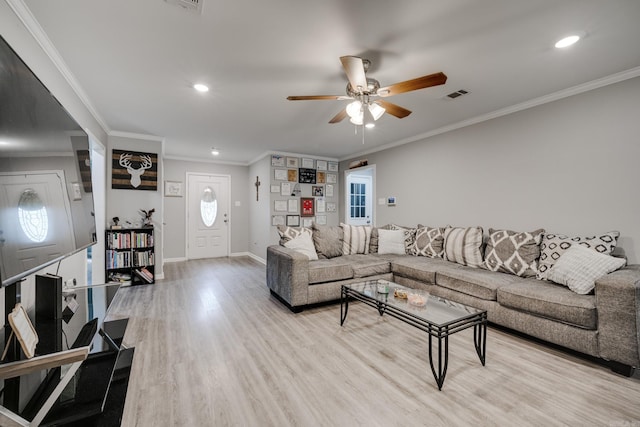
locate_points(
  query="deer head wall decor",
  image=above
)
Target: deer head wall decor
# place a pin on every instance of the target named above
(146, 163)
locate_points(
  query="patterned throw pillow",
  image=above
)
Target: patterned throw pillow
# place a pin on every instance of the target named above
(289, 233)
(462, 245)
(580, 267)
(554, 245)
(327, 240)
(429, 242)
(356, 239)
(513, 252)
(409, 236)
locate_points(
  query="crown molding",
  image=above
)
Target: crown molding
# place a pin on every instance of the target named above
(133, 135)
(285, 153)
(565, 93)
(201, 160)
(23, 12)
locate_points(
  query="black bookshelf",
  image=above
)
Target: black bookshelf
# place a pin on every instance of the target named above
(130, 256)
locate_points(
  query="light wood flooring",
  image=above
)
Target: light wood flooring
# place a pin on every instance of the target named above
(214, 348)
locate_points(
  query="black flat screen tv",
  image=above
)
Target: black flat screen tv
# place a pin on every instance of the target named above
(46, 198)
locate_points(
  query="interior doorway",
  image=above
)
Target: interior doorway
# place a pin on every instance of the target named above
(359, 196)
(208, 220)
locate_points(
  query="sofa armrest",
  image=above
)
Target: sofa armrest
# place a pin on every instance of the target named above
(288, 274)
(618, 305)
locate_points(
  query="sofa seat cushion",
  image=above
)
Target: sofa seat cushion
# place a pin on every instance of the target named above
(422, 269)
(475, 282)
(368, 265)
(330, 270)
(551, 301)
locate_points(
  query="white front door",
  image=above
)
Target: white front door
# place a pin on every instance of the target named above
(359, 199)
(35, 220)
(208, 216)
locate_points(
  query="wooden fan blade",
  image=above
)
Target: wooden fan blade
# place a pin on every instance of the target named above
(415, 84)
(315, 97)
(339, 117)
(354, 68)
(393, 109)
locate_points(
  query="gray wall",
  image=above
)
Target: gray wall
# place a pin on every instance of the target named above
(260, 231)
(174, 207)
(570, 166)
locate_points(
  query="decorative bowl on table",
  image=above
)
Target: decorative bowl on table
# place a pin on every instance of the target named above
(419, 300)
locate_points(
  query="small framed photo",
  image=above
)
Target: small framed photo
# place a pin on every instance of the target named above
(320, 205)
(333, 166)
(391, 201)
(280, 174)
(321, 165)
(328, 190)
(280, 205)
(292, 206)
(277, 161)
(277, 220)
(307, 206)
(307, 163)
(172, 189)
(321, 219)
(292, 175)
(307, 222)
(321, 177)
(317, 191)
(332, 207)
(293, 220)
(275, 188)
(292, 162)
(285, 189)
(332, 178)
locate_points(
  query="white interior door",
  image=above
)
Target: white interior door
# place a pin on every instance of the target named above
(208, 216)
(35, 220)
(359, 201)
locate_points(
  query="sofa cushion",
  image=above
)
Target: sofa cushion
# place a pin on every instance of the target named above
(373, 243)
(330, 270)
(327, 240)
(580, 267)
(391, 242)
(356, 239)
(409, 236)
(481, 284)
(513, 252)
(368, 265)
(422, 269)
(303, 243)
(462, 245)
(429, 242)
(551, 301)
(288, 233)
(554, 245)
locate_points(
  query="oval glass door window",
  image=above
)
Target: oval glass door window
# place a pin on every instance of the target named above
(208, 207)
(32, 215)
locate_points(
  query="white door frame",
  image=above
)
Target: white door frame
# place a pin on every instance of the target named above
(186, 210)
(369, 170)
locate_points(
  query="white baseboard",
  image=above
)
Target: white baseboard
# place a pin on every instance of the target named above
(250, 255)
(175, 259)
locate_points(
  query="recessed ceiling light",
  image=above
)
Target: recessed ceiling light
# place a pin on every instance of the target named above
(567, 41)
(370, 125)
(215, 151)
(200, 87)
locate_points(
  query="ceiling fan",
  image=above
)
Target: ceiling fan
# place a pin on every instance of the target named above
(367, 107)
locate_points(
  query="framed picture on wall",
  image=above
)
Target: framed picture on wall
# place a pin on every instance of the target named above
(321, 177)
(277, 160)
(307, 222)
(321, 165)
(307, 163)
(307, 206)
(292, 175)
(277, 220)
(280, 174)
(292, 206)
(285, 189)
(275, 188)
(317, 191)
(293, 220)
(328, 191)
(292, 162)
(280, 205)
(332, 178)
(333, 166)
(331, 207)
(172, 189)
(320, 205)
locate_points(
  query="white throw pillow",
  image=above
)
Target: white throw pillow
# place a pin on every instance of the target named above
(391, 242)
(579, 268)
(303, 243)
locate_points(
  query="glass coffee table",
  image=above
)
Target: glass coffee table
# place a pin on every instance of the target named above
(437, 316)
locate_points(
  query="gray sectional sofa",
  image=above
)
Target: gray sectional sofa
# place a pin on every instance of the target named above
(604, 324)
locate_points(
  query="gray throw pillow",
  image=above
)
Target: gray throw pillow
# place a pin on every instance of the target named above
(513, 252)
(429, 242)
(327, 240)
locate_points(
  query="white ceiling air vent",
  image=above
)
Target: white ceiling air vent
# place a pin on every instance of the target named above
(191, 5)
(457, 93)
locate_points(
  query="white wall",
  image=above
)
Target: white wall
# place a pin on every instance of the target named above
(174, 207)
(570, 166)
(261, 234)
(126, 204)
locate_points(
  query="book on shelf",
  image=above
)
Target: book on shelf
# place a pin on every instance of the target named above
(122, 278)
(144, 274)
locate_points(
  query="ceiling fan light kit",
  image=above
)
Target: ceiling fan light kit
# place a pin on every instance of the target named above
(364, 92)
